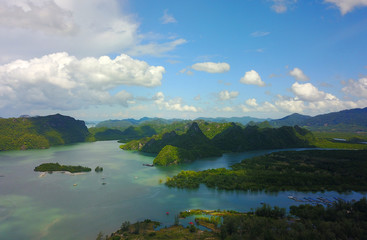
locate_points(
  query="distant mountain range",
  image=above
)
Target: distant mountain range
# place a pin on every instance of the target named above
(346, 120)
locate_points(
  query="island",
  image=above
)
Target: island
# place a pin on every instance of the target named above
(52, 167)
(342, 220)
(311, 170)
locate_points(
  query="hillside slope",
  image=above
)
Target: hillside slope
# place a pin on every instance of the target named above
(41, 132)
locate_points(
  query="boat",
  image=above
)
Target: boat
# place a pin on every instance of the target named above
(148, 165)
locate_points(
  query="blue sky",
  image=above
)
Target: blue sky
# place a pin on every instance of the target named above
(98, 59)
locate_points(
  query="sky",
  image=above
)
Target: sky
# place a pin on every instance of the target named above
(116, 59)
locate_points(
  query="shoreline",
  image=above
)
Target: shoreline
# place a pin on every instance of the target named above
(43, 174)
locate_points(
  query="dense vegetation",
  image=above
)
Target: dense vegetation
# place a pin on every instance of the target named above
(172, 155)
(41, 132)
(238, 139)
(216, 139)
(342, 220)
(50, 167)
(313, 170)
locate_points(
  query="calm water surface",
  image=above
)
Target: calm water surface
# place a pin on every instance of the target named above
(51, 207)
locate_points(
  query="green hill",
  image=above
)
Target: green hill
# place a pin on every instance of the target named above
(237, 139)
(174, 148)
(41, 132)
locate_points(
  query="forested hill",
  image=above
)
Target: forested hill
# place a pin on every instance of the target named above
(41, 132)
(346, 120)
(174, 148)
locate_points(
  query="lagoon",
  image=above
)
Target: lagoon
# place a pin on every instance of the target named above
(61, 206)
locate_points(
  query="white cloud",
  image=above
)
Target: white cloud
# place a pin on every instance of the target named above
(252, 78)
(290, 105)
(225, 95)
(83, 28)
(173, 104)
(356, 88)
(259, 34)
(245, 108)
(308, 99)
(44, 16)
(251, 102)
(61, 81)
(155, 49)
(267, 107)
(211, 67)
(309, 92)
(253, 106)
(225, 109)
(346, 6)
(281, 6)
(167, 18)
(298, 74)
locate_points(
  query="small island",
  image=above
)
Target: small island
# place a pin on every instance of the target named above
(98, 169)
(52, 167)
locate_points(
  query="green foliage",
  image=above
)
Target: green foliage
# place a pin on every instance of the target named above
(267, 211)
(98, 169)
(172, 155)
(237, 139)
(50, 167)
(316, 170)
(40, 132)
(353, 140)
(340, 221)
(125, 226)
(226, 137)
(343, 220)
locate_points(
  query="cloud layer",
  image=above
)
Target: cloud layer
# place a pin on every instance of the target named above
(81, 28)
(211, 67)
(61, 81)
(346, 6)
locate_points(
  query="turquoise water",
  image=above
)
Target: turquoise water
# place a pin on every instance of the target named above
(51, 207)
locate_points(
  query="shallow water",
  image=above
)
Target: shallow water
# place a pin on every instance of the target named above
(51, 207)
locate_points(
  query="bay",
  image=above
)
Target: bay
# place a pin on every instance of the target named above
(61, 206)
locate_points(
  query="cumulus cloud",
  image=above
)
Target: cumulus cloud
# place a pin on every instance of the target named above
(356, 88)
(281, 6)
(83, 28)
(308, 99)
(298, 74)
(173, 104)
(346, 6)
(211, 67)
(251, 102)
(61, 81)
(167, 18)
(225, 95)
(252, 78)
(309, 92)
